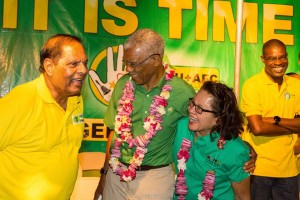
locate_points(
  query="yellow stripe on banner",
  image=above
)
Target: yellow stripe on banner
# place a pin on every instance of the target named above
(91, 16)
(40, 15)
(10, 13)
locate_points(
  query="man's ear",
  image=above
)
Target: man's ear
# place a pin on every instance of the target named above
(48, 66)
(157, 60)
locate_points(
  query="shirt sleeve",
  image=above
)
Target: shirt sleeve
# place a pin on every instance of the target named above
(251, 99)
(14, 115)
(239, 154)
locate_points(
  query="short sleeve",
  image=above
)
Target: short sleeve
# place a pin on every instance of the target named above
(238, 156)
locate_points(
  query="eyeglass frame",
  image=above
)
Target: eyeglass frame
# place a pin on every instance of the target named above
(135, 66)
(191, 100)
(272, 59)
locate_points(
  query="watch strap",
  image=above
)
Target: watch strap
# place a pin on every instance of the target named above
(277, 119)
(103, 171)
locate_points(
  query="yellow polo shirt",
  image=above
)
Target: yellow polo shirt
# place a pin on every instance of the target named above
(39, 142)
(260, 96)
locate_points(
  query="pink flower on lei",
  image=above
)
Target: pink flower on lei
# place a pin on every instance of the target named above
(169, 72)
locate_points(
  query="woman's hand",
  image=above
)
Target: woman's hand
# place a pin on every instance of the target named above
(250, 165)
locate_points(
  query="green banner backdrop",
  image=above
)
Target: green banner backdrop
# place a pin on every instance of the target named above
(199, 34)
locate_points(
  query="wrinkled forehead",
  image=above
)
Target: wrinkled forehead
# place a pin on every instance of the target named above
(134, 52)
(71, 51)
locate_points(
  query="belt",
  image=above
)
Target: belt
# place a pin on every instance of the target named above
(146, 167)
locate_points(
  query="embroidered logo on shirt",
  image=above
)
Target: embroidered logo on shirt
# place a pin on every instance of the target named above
(170, 110)
(77, 119)
(213, 161)
(287, 95)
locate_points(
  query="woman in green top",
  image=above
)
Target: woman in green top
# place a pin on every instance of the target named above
(208, 153)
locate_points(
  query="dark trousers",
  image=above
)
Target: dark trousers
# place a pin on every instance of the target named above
(266, 188)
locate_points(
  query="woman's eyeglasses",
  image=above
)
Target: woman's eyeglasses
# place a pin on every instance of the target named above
(198, 108)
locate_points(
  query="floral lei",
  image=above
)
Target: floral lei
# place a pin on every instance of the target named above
(123, 123)
(209, 181)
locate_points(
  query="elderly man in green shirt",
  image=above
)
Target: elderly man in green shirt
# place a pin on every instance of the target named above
(152, 102)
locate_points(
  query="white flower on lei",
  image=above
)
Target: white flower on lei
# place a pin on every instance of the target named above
(148, 122)
(161, 110)
(117, 124)
(165, 94)
(113, 163)
(124, 119)
(126, 135)
(201, 197)
(181, 164)
(138, 161)
(127, 178)
(147, 125)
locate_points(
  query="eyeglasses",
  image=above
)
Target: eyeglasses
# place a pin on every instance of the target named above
(272, 59)
(133, 65)
(198, 108)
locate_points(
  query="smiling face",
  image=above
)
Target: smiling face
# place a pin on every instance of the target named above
(144, 69)
(276, 62)
(142, 58)
(203, 123)
(67, 73)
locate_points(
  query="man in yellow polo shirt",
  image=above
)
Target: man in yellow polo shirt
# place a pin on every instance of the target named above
(270, 101)
(42, 126)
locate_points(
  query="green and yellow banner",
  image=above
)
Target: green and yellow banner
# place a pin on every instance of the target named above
(200, 38)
